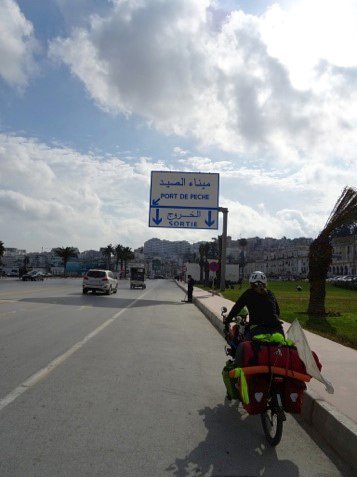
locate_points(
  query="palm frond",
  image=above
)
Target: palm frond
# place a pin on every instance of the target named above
(344, 212)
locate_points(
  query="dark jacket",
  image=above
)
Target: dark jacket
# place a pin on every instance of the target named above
(190, 284)
(263, 309)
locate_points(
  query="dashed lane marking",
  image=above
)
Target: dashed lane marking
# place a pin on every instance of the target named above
(44, 372)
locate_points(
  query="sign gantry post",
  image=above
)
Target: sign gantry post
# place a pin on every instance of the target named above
(224, 248)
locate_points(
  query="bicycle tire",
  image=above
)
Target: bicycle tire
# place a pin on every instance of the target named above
(272, 424)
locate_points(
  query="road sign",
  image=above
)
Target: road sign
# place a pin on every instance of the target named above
(184, 200)
(214, 266)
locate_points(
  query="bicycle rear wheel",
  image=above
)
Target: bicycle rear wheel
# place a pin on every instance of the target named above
(272, 422)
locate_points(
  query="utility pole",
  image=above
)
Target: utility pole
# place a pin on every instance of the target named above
(224, 247)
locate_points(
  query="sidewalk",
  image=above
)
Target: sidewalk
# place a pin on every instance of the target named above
(334, 416)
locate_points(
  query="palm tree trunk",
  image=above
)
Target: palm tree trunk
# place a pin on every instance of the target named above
(206, 272)
(317, 297)
(320, 256)
(201, 271)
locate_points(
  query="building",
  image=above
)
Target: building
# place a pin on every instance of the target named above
(12, 260)
(344, 258)
(166, 249)
(278, 258)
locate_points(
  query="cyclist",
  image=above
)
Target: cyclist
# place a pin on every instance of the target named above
(262, 306)
(264, 315)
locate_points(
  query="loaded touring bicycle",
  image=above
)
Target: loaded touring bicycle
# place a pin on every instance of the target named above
(270, 380)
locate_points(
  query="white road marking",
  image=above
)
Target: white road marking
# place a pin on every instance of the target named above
(44, 372)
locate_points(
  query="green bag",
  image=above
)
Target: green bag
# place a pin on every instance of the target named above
(232, 391)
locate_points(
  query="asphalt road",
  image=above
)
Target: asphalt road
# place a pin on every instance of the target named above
(127, 385)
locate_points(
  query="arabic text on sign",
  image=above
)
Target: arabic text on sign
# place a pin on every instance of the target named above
(173, 216)
(182, 182)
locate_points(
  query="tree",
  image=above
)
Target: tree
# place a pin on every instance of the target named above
(65, 253)
(320, 253)
(206, 248)
(107, 252)
(2, 250)
(242, 243)
(25, 264)
(201, 251)
(118, 252)
(128, 254)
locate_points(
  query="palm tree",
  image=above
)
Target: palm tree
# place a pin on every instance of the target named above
(242, 243)
(23, 269)
(201, 262)
(118, 252)
(320, 253)
(108, 251)
(65, 253)
(2, 249)
(128, 254)
(206, 248)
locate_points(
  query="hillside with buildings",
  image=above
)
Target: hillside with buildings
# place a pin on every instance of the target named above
(285, 258)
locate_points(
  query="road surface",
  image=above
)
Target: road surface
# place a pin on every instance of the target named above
(127, 385)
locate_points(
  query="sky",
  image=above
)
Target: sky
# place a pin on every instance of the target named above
(96, 94)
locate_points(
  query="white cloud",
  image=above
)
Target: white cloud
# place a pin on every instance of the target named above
(17, 45)
(310, 31)
(276, 91)
(58, 196)
(246, 221)
(178, 151)
(55, 196)
(277, 85)
(199, 163)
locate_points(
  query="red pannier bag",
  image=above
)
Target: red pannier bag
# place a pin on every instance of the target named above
(286, 358)
(256, 353)
(258, 385)
(293, 395)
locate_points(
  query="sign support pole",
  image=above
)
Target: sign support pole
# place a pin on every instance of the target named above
(224, 247)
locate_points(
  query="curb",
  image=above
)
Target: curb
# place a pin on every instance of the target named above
(338, 430)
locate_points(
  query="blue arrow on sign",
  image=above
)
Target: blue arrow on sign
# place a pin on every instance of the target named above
(156, 202)
(209, 222)
(157, 219)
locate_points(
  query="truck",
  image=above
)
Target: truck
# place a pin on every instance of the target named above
(137, 277)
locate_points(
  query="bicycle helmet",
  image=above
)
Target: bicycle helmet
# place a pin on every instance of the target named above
(258, 277)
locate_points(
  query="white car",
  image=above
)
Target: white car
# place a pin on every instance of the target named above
(100, 280)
